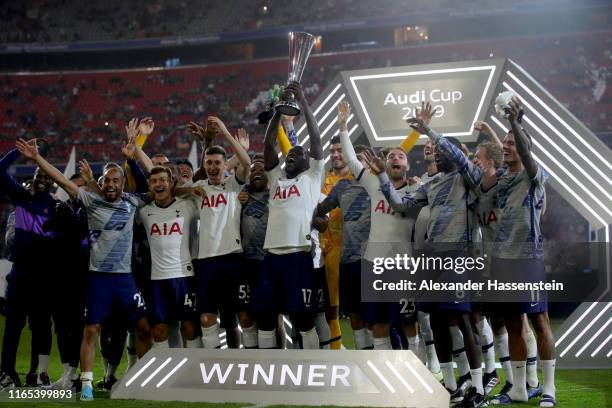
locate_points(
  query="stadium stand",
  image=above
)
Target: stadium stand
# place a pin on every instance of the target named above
(72, 108)
(72, 20)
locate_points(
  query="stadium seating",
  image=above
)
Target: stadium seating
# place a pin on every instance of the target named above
(73, 20)
(89, 109)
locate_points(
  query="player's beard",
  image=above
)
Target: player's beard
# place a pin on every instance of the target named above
(338, 165)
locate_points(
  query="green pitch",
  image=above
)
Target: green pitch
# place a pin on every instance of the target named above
(575, 388)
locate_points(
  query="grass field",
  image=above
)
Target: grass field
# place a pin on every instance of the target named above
(575, 388)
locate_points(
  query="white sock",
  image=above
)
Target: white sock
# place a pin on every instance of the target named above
(532, 357)
(432, 357)
(161, 344)
(175, 340)
(195, 343)
(310, 339)
(414, 344)
(131, 349)
(210, 337)
(503, 352)
(459, 354)
(448, 373)
(476, 375)
(72, 373)
(430, 347)
(66, 367)
(266, 339)
(249, 337)
(112, 369)
(322, 330)
(43, 363)
(548, 375)
(363, 339)
(486, 342)
(518, 392)
(87, 377)
(382, 343)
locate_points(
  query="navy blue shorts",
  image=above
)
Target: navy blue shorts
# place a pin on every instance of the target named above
(522, 270)
(389, 312)
(248, 281)
(322, 290)
(218, 283)
(228, 319)
(115, 292)
(456, 306)
(171, 300)
(350, 287)
(287, 285)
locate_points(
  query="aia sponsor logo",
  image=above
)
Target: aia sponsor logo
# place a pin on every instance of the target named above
(485, 219)
(166, 229)
(284, 194)
(214, 200)
(384, 207)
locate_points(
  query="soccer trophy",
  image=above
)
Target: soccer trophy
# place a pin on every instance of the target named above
(300, 45)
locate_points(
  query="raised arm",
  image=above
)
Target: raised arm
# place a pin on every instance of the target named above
(471, 174)
(523, 144)
(487, 132)
(240, 152)
(243, 138)
(286, 134)
(204, 137)
(316, 148)
(132, 130)
(30, 150)
(270, 153)
(348, 152)
(87, 173)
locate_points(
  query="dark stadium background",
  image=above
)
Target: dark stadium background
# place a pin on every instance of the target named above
(75, 71)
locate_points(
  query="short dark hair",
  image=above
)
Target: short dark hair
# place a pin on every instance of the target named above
(216, 150)
(385, 151)
(113, 165)
(335, 140)
(258, 157)
(526, 134)
(109, 165)
(161, 169)
(185, 162)
(360, 148)
(76, 176)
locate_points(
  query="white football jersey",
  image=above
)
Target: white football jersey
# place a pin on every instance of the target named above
(168, 232)
(390, 232)
(292, 205)
(219, 218)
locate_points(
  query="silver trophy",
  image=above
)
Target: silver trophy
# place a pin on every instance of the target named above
(300, 45)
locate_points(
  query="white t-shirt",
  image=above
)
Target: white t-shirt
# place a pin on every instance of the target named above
(168, 232)
(292, 205)
(219, 218)
(387, 227)
(390, 232)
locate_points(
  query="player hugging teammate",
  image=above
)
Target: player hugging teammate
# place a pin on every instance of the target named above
(237, 249)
